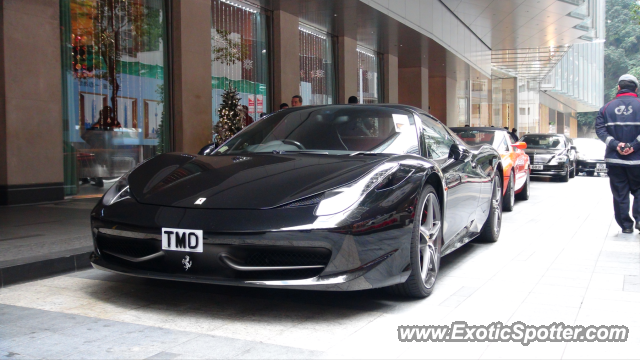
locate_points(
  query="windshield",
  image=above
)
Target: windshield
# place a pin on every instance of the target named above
(330, 130)
(543, 141)
(475, 137)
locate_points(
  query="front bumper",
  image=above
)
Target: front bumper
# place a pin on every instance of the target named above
(353, 257)
(549, 170)
(589, 165)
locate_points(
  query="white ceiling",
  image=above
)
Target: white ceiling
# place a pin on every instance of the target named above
(512, 24)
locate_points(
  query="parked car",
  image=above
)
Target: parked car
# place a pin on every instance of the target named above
(337, 197)
(551, 155)
(515, 162)
(590, 154)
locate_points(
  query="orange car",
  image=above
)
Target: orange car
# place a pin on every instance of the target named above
(515, 163)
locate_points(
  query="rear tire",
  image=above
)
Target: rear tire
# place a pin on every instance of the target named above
(510, 195)
(526, 188)
(426, 247)
(491, 228)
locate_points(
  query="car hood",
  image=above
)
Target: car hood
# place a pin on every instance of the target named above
(253, 181)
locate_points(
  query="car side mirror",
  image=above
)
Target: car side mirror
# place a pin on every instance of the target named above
(520, 145)
(207, 149)
(574, 148)
(456, 152)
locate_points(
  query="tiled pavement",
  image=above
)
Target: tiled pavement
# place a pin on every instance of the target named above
(560, 257)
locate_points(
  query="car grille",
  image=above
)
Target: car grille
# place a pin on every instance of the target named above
(136, 248)
(540, 159)
(289, 256)
(270, 258)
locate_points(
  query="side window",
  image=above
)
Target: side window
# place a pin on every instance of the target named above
(437, 140)
(503, 146)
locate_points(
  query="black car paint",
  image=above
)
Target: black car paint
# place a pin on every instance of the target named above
(553, 170)
(246, 207)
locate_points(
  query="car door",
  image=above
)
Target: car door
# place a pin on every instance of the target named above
(517, 157)
(462, 191)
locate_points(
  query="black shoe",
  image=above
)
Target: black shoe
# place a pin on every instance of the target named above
(627, 231)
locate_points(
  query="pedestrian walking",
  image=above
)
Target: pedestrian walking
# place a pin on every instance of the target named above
(618, 125)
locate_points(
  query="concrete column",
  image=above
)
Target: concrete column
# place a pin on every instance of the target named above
(413, 87)
(390, 79)
(286, 58)
(347, 69)
(31, 141)
(192, 103)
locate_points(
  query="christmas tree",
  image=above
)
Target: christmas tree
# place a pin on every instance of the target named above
(231, 116)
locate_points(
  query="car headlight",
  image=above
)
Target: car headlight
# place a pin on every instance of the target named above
(338, 200)
(119, 191)
(558, 159)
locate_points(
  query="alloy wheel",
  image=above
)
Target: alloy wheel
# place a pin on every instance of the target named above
(496, 205)
(429, 244)
(512, 187)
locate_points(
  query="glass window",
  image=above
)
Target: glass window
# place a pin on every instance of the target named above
(317, 75)
(437, 139)
(239, 56)
(503, 146)
(329, 130)
(368, 76)
(475, 137)
(113, 79)
(544, 141)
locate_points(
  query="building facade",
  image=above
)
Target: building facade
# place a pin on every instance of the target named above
(115, 82)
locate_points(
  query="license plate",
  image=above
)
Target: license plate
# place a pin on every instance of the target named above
(182, 240)
(536, 167)
(601, 168)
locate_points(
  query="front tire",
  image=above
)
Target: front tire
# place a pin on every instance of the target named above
(526, 188)
(491, 228)
(426, 247)
(573, 172)
(565, 177)
(510, 195)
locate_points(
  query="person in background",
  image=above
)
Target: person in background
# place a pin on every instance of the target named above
(284, 106)
(353, 100)
(618, 126)
(514, 135)
(248, 120)
(296, 101)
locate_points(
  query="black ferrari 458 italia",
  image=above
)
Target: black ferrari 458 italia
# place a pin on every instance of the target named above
(337, 197)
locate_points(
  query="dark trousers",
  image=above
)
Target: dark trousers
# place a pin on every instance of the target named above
(625, 180)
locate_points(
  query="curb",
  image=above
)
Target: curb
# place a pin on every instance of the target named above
(43, 268)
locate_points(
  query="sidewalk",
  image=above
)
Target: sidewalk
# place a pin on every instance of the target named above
(44, 240)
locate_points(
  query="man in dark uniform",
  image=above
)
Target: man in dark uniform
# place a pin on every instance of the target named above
(618, 125)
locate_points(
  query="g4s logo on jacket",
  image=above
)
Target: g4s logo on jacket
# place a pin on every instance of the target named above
(621, 110)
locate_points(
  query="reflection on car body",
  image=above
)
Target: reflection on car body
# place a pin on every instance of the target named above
(515, 162)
